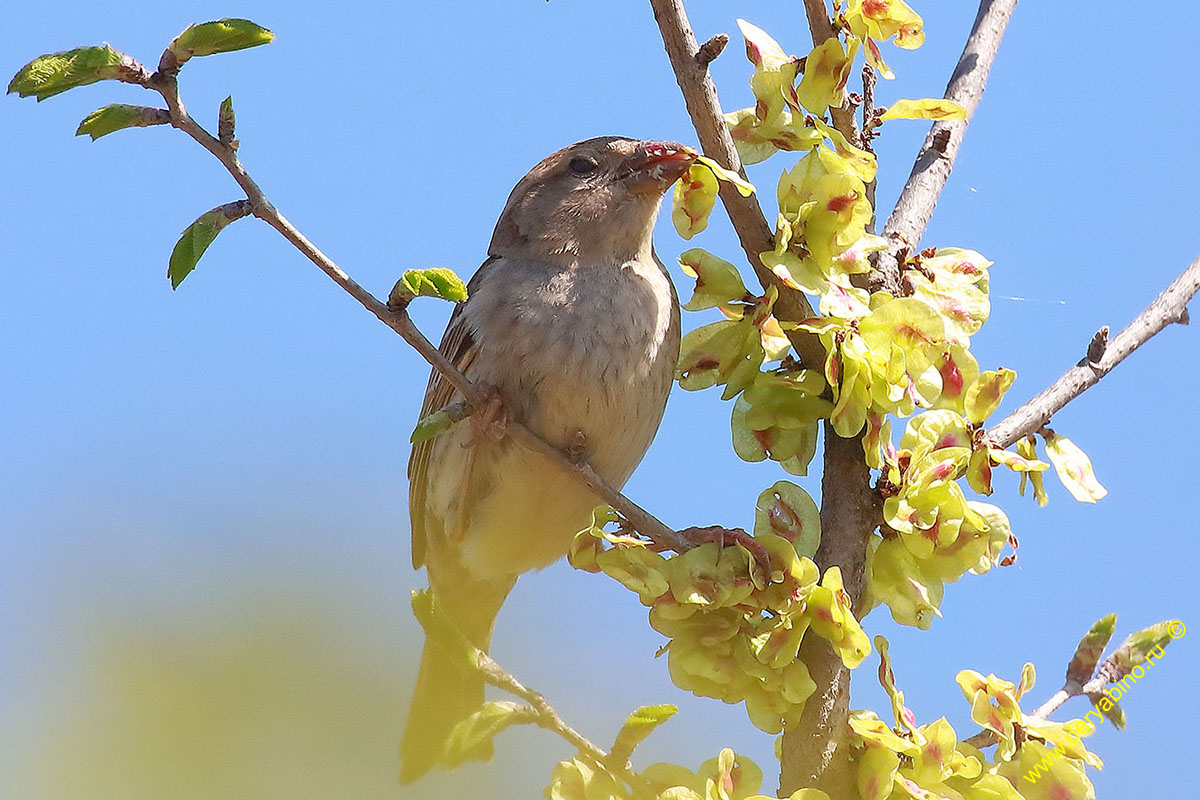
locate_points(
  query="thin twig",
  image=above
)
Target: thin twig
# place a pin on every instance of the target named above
(869, 79)
(913, 210)
(644, 522)
(544, 716)
(1169, 307)
(442, 633)
(700, 96)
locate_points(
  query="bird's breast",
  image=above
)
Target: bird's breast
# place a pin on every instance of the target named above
(588, 349)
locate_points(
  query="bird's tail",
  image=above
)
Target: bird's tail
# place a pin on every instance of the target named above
(447, 691)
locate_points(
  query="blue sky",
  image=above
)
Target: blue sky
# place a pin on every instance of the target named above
(182, 469)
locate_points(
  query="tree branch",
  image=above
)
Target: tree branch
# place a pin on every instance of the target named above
(915, 206)
(822, 29)
(166, 84)
(1169, 307)
(700, 96)
(441, 631)
(814, 749)
(545, 716)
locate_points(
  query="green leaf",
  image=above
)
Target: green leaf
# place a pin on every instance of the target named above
(432, 282)
(1140, 646)
(1091, 647)
(119, 116)
(1109, 708)
(221, 36)
(471, 739)
(198, 236)
(432, 425)
(55, 73)
(638, 725)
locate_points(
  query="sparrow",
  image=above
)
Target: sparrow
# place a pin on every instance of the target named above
(572, 323)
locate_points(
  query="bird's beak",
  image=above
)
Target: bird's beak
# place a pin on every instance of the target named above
(654, 166)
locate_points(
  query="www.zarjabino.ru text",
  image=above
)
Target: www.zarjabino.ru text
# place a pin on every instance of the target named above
(1085, 726)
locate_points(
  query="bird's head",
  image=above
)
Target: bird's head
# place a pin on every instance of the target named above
(596, 199)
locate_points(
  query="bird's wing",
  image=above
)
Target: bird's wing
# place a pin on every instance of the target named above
(457, 346)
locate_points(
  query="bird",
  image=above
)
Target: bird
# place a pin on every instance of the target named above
(572, 326)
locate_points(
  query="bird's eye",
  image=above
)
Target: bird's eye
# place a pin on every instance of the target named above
(582, 165)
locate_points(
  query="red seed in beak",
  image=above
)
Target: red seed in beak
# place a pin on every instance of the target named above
(654, 166)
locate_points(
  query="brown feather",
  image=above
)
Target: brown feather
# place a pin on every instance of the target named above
(457, 346)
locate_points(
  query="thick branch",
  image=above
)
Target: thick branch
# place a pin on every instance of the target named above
(913, 210)
(700, 96)
(814, 751)
(1167, 308)
(399, 321)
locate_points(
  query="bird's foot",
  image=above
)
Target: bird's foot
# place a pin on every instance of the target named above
(727, 536)
(490, 420)
(577, 446)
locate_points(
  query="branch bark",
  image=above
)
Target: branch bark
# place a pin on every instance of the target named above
(822, 29)
(1169, 307)
(166, 84)
(814, 749)
(913, 209)
(700, 96)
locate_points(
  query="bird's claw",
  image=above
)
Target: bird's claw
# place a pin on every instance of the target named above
(490, 420)
(576, 449)
(726, 536)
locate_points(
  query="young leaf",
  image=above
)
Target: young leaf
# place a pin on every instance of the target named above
(1091, 647)
(55, 73)
(1073, 467)
(119, 116)
(927, 108)
(226, 122)
(198, 236)
(432, 282)
(638, 725)
(220, 36)
(471, 739)
(432, 425)
(1138, 646)
(1109, 708)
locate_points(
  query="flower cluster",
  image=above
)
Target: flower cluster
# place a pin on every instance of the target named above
(733, 635)
(928, 762)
